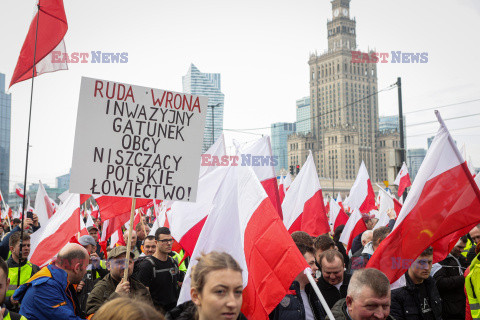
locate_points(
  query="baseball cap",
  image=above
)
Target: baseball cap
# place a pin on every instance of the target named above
(86, 240)
(92, 227)
(117, 251)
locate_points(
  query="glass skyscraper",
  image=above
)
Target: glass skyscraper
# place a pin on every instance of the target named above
(414, 161)
(279, 133)
(207, 84)
(5, 112)
(303, 115)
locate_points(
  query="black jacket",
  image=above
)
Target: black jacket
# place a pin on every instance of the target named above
(331, 293)
(406, 302)
(291, 307)
(343, 251)
(450, 284)
(186, 311)
(339, 311)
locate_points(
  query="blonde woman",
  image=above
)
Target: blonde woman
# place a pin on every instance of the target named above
(216, 290)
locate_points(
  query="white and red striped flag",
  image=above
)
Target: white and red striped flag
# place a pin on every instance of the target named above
(52, 27)
(442, 205)
(284, 185)
(337, 217)
(402, 180)
(355, 225)
(245, 224)
(64, 224)
(187, 218)
(361, 194)
(303, 205)
(259, 156)
(19, 190)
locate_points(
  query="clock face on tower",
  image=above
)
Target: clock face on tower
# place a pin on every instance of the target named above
(336, 12)
(345, 12)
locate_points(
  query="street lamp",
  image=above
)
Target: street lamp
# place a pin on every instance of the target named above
(213, 119)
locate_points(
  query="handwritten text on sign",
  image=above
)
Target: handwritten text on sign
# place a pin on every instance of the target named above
(133, 141)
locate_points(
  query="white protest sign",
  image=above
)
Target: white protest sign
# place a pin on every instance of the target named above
(137, 142)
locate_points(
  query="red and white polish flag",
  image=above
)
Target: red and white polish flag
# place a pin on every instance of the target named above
(52, 27)
(64, 224)
(186, 219)
(284, 185)
(442, 205)
(245, 224)
(303, 208)
(19, 190)
(355, 225)
(337, 217)
(361, 194)
(264, 169)
(402, 180)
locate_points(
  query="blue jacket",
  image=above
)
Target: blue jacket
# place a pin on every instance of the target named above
(46, 296)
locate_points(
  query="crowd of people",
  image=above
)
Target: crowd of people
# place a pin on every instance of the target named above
(85, 281)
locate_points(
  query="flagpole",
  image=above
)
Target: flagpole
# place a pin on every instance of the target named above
(28, 145)
(129, 244)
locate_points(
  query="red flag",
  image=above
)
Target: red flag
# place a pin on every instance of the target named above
(256, 238)
(64, 224)
(111, 207)
(94, 212)
(303, 206)
(402, 180)
(355, 225)
(52, 26)
(114, 224)
(361, 195)
(442, 205)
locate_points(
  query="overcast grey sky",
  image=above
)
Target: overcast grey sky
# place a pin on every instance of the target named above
(261, 49)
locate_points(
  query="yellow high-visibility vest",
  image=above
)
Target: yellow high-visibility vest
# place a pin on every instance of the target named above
(25, 274)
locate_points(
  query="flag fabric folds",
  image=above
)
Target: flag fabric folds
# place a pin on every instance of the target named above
(337, 217)
(52, 27)
(355, 225)
(361, 194)
(303, 208)
(244, 223)
(259, 156)
(443, 204)
(402, 180)
(50, 238)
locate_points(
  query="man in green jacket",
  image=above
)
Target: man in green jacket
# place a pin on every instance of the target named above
(368, 297)
(113, 286)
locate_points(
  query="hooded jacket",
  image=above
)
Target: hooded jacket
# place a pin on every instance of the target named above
(48, 296)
